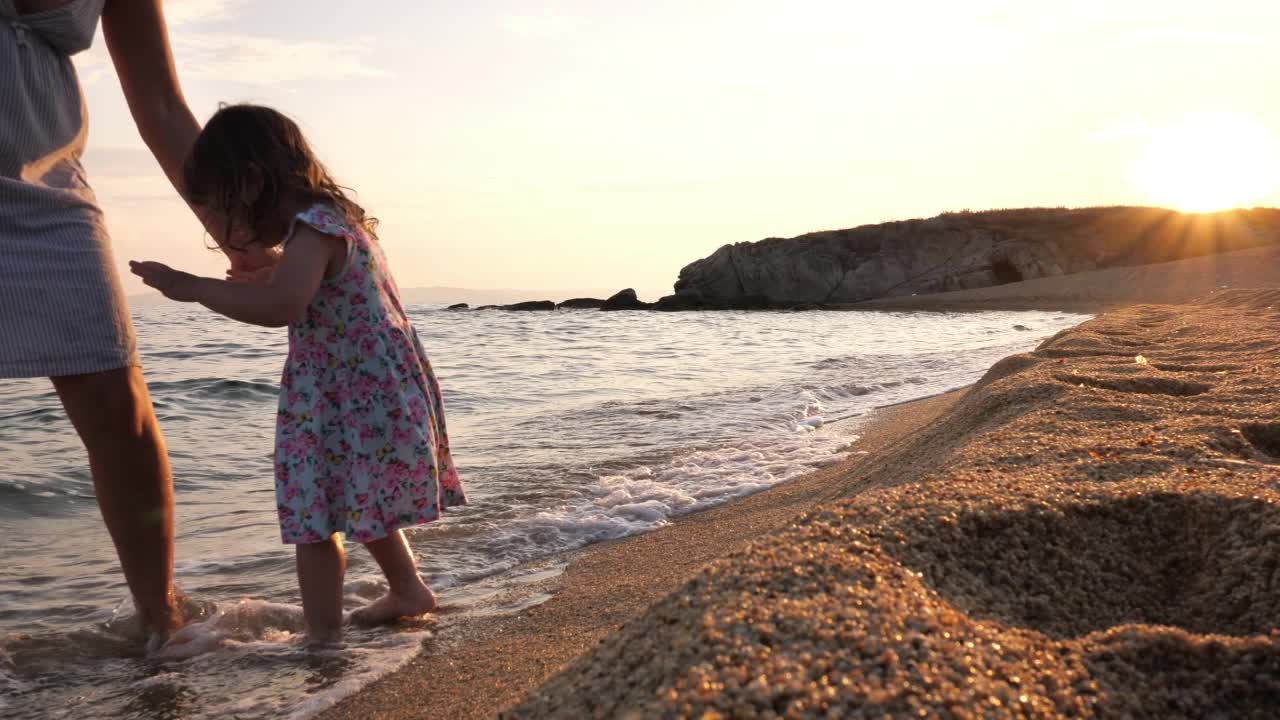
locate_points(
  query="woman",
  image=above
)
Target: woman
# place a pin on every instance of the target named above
(62, 312)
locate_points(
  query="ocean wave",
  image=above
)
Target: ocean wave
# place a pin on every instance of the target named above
(217, 388)
(40, 415)
(645, 497)
(44, 497)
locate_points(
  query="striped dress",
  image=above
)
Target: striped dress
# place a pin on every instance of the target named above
(62, 311)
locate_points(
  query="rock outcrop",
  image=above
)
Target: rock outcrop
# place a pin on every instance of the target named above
(956, 251)
(581, 304)
(531, 305)
(625, 300)
(458, 306)
(676, 303)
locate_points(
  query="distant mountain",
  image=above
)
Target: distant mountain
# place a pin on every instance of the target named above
(958, 251)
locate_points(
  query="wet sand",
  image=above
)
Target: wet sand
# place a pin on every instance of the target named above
(1082, 533)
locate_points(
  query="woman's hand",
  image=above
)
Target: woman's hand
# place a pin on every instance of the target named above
(253, 265)
(260, 276)
(173, 284)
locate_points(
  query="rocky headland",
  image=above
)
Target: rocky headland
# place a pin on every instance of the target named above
(957, 251)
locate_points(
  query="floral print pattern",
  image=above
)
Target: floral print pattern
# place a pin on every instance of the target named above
(361, 446)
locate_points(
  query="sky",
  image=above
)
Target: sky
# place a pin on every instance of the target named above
(600, 144)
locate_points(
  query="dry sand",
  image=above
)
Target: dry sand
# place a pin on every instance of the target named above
(1086, 533)
(1080, 534)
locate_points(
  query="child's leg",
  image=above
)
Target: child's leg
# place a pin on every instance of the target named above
(407, 595)
(321, 567)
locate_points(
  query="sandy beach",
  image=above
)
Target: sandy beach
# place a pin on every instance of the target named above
(1088, 531)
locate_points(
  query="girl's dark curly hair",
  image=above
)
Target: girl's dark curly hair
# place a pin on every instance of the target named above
(246, 145)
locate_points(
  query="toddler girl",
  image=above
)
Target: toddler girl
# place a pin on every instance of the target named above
(361, 447)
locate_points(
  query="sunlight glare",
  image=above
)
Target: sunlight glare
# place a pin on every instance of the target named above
(1206, 162)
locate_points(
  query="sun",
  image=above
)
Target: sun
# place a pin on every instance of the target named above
(1207, 161)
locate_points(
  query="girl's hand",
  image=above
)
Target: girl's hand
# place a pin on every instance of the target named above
(281, 300)
(173, 284)
(260, 276)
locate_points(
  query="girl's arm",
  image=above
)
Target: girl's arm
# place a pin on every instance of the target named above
(280, 301)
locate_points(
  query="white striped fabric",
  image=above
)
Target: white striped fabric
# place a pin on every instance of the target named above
(62, 311)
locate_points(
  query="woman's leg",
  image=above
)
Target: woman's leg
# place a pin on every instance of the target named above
(112, 413)
(407, 595)
(321, 567)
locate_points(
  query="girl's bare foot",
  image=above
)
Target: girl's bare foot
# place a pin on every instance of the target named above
(393, 606)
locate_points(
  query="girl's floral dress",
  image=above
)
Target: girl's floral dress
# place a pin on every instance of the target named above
(361, 446)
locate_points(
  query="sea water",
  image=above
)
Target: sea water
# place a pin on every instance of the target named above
(568, 427)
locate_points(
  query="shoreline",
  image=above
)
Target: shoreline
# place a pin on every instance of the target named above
(491, 661)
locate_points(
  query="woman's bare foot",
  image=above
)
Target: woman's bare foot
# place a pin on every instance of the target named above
(162, 631)
(319, 638)
(393, 606)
